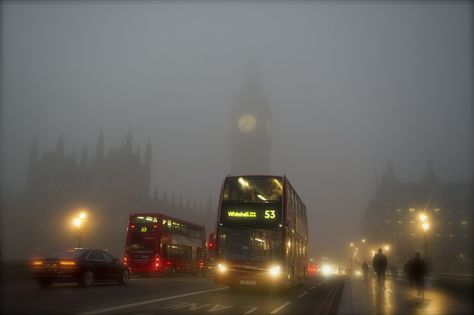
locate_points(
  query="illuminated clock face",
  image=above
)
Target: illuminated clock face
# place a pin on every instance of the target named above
(247, 122)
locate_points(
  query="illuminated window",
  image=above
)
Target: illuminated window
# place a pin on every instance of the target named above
(464, 222)
(399, 210)
(437, 210)
(451, 235)
(399, 222)
(411, 209)
(411, 221)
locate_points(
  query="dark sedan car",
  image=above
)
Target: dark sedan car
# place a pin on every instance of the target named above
(81, 265)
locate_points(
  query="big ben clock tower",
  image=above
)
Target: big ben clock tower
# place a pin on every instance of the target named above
(251, 128)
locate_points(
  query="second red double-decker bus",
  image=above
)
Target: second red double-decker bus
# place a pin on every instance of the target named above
(157, 243)
(262, 232)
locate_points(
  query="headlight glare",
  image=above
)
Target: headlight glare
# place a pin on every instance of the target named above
(275, 271)
(221, 268)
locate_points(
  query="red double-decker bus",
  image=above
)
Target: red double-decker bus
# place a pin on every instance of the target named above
(157, 243)
(262, 233)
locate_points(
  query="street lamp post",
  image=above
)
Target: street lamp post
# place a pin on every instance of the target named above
(425, 226)
(79, 223)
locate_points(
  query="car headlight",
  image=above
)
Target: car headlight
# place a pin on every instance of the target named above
(274, 271)
(221, 268)
(326, 270)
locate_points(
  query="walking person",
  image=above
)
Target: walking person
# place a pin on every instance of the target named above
(419, 270)
(379, 264)
(365, 269)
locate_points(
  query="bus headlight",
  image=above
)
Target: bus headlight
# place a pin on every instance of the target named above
(274, 271)
(221, 268)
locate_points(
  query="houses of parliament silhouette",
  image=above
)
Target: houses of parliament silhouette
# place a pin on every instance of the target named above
(110, 184)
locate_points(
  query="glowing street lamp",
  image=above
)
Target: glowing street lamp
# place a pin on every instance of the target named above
(79, 223)
(425, 226)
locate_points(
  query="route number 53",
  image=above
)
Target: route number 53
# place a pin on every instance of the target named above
(270, 214)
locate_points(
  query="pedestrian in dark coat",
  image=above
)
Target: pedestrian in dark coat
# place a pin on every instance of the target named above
(419, 270)
(379, 264)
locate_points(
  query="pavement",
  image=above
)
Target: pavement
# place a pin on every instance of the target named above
(365, 297)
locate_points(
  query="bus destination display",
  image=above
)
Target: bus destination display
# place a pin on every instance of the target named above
(269, 215)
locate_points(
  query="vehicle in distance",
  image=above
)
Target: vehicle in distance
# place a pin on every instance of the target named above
(262, 233)
(81, 265)
(158, 244)
(312, 269)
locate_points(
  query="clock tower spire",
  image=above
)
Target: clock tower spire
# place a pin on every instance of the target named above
(251, 123)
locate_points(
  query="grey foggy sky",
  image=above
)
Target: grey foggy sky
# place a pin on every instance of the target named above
(346, 82)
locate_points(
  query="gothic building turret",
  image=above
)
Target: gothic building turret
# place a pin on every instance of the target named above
(60, 145)
(99, 151)
(84, 157)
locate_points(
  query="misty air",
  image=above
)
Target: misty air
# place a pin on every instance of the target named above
(266, 157)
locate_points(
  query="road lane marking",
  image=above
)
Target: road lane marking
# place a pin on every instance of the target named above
(219, 307)
(303, 294)
(280, 308)
(251, 310)
(114, 308)
(312, 287)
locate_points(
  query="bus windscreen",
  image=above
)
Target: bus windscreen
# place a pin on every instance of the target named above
(250, 244)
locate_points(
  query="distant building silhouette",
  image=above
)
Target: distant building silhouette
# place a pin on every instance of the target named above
(110, 184)
(392, 217)
(120, 175)
(251, 128)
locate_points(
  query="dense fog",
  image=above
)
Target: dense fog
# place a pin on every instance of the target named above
(349, 85)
